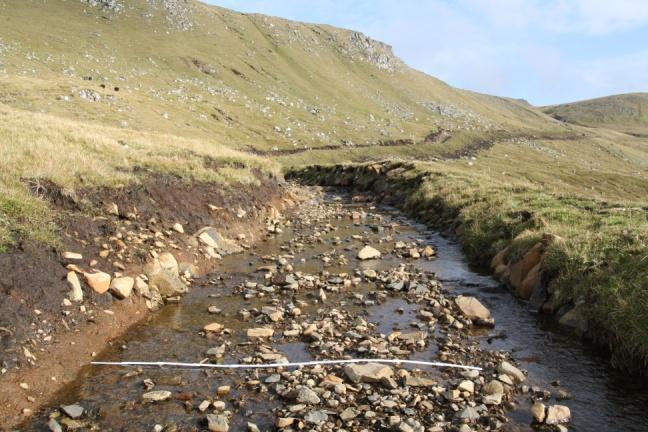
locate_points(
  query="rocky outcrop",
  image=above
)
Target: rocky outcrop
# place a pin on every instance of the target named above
(111, 6)
(360, 47)
(178, 13)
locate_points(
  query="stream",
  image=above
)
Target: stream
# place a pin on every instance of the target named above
(600, 399)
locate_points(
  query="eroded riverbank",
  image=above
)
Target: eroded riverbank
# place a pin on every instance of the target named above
(306, 285)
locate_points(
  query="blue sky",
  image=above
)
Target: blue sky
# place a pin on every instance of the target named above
(545, 51)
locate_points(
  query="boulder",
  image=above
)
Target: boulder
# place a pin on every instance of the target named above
(494, 387)
(531, 280)
(98, 281)
(273, 313)
(539, 296)
(367, 253)
(122, 287)
(168, 285)
(521, 269)
(472, 308)
(499, 259)
(211, 238)
(368, 373)
(164, 276)
(168, 263)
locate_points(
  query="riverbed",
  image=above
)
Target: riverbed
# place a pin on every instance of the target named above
(320, 242)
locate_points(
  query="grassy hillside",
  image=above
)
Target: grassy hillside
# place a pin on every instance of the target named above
(37, 148)
(248, 81)
(626, 113)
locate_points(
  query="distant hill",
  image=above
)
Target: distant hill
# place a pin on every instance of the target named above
(626, 112)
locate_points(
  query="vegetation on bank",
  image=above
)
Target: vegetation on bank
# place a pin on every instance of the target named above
(602, 264)
(38, 148)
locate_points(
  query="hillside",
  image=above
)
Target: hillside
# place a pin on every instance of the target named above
(626, 113)
(244, 80)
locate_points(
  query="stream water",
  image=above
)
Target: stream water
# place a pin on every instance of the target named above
(600, 398)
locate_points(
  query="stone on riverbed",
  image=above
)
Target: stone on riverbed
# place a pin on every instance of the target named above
(507, 368)
(76, 294)
(217, 423)
(557, 414)
(539, 412)
(415, 381)
(368, 373)
(122, 287)
(214, 327)
(304, 395)
(157, 395)
(367, 253)
(472, 308)
(284, 422)
(73, 411)
(98, 281)
(261, 332)
(316, 417)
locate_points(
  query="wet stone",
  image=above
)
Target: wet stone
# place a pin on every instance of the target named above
(74, 411)
(217, 423)
(157, 395)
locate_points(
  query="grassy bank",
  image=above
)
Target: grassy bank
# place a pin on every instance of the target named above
(602, 266)
(37, 148)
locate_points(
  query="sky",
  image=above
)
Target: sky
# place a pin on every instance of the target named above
(544, 51)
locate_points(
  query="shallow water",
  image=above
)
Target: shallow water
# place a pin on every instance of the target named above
(602, 400)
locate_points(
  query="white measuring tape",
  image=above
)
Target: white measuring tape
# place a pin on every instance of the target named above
(280, 365)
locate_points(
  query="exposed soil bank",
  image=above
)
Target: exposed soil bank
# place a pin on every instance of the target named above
(518, 263)
(44, 337)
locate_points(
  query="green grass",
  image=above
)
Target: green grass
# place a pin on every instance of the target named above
(38, 147)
